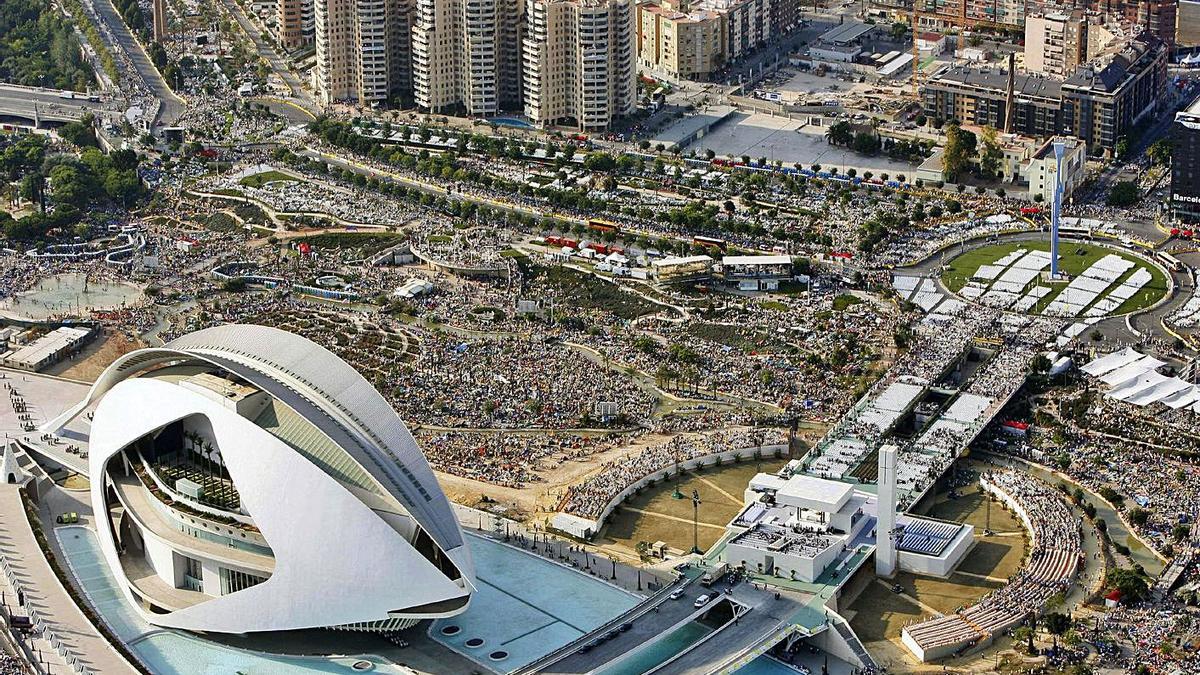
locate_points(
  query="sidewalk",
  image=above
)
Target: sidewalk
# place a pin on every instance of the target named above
(45, 593)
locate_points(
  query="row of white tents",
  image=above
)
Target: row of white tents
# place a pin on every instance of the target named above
(1134, 378)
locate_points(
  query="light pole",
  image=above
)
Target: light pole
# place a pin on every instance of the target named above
(695, 521)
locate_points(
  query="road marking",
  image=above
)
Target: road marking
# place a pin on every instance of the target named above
(730, 497)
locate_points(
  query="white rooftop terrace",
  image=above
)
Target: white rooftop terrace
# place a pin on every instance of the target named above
(804, 491)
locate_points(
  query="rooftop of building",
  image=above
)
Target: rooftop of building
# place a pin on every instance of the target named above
(809, 492)
(785, 540)
(1104, 75)
(1047, 149)
(846, 32)
(1024, 84)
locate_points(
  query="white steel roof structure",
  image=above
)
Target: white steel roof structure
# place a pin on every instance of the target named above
(357, 531)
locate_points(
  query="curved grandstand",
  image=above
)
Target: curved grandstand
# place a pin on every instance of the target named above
(1055, 554)
(246, 479)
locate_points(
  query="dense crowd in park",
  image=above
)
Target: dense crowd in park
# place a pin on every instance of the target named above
(1158, 494)
(1159, 637)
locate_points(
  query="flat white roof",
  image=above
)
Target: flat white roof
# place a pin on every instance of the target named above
(757, 260)
(805, 491)
(690, 260)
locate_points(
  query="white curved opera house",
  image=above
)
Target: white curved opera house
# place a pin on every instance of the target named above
(245, 479)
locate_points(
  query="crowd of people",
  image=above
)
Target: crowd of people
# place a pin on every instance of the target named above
(1159, 636)
(309, 196)
(1055, 554)
(509, 459)
(589, 498)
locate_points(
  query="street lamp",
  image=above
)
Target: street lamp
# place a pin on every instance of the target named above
(695, 521)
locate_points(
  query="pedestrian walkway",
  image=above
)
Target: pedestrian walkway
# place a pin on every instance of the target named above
(44, 593)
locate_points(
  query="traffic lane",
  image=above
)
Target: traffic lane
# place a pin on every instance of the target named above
(172, 106)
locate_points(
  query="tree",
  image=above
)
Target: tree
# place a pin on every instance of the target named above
(71, 184)
(1056, 623)
(1121, 148)
(1132, 586)
(598, 161)
(1124, 193)
(1111, 496)
(866, 143)
(960, 147)
(1139, 516)
(80, 133)
(840, 133)
(1159, 151)
(992, 155)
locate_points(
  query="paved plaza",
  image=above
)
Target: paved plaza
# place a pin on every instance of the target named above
(789, 141)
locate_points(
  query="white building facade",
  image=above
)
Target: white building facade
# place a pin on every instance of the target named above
(246, 480)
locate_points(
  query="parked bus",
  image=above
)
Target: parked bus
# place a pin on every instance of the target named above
(1169, 261)
(709, 242)
(602, 226)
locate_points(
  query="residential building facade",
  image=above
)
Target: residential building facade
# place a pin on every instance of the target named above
(362, 50)
(296, 23)
(685, 39)
(579, 62)
(466, 55)
(1055, 44)
(1101, 102)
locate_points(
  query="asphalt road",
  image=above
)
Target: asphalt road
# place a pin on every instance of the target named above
(172, 106)
(278, 65)
(20, 102)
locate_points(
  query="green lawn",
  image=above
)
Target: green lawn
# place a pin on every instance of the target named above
(259, 179)
(844, 301)
(1075, 258)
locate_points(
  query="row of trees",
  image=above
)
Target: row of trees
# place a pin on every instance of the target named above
(39, 48)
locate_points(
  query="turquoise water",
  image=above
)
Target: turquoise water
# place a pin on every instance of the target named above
(765, 665)
(671, 644)
(511, 122)
(168, 652)
(527, 607)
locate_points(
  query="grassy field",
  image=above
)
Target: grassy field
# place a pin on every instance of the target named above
(654, 515)
(1075, 258)
(259, 179)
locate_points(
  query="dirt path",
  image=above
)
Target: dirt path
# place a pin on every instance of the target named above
(87, 365)
(543, 496)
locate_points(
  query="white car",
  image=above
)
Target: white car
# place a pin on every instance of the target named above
(677, 594)
(701, 601)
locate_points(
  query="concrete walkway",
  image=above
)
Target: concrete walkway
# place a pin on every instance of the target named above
(45, 593)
